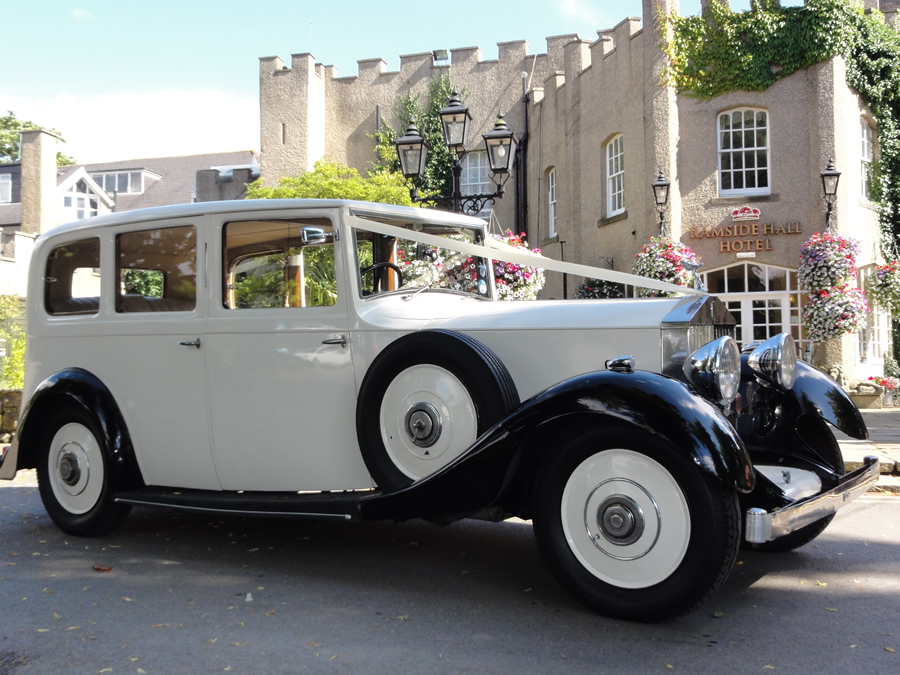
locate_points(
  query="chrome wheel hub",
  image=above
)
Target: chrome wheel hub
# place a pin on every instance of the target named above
(423, 425)
(621, 520)
(73, 468)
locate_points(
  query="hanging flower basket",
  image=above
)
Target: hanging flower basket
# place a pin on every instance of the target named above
(884, 287)
(663, 259)
(827, 260)
(517, 282)
(832, 312)
(597, 289)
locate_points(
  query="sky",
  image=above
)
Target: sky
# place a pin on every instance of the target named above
(130, 80)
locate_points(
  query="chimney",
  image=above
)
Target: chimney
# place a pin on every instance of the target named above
(40, 204)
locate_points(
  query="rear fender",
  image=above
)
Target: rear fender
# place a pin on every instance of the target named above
(500, 467)
(78, 387)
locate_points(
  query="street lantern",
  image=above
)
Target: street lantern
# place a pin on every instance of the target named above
(500, 143)
(661, 197)
(412, 150)
(455, 123)
(830, 178)
(501, 146)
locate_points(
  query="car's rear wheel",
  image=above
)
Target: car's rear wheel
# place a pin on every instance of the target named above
(425, 399)
(632, 528)
(73, 475)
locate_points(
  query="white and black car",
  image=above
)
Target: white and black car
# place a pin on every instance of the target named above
(342, 360)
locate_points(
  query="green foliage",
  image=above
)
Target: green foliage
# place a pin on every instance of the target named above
(332, 180)
(438, 179)
(10, 128)
(723, 51)
(12, 322)
(148, 283)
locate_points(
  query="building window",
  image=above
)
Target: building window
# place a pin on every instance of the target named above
(551, 203)
(5, 188)
(615, 176)
(744, 152)
(79, 202)
(121, 182)
(764, 300)
(865, 169)
(476, 178)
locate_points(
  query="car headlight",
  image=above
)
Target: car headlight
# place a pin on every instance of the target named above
(715, 369)
(775, 361)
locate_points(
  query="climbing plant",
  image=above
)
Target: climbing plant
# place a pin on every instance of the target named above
(438, 179)
(722, 51)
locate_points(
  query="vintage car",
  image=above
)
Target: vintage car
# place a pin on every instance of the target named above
(349, 361)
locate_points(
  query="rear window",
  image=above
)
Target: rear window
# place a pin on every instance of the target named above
(72, 278)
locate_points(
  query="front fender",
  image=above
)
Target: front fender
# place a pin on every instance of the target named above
(815, 392)
(500, 466)
(76, 386)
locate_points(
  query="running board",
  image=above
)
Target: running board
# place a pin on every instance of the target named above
(313, 505)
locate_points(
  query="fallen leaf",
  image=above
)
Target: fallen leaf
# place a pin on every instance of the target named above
(271, 612)
(820, 583)
(141, 670)
(74, 628)
(43, 630)
(890, 649)
(768, 667)
(105, 670)
(719, 615)
(213, 641)
(101, 568)
(314, 644)
(403, 617)
(831, 609)
(56, 616)
(127, 599)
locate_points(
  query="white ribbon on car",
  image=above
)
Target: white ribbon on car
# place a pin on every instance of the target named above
(500, 251)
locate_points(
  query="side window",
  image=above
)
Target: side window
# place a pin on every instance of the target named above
(156, 270)
(279, 263)
(72, 278)
(5, 188)
(615, 176)
(743, 138)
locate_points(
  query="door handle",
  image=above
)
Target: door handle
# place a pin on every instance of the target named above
(342, 341)
(190, 343)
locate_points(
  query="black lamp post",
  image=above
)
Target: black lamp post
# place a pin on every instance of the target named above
(500, 143)
(661, 197)
(830, 178)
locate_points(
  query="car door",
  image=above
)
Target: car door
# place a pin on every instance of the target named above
(282, 394)
(149, 354)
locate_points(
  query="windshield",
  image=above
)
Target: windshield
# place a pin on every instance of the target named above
(390, 264)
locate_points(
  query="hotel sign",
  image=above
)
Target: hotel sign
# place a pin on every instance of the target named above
(745, 233)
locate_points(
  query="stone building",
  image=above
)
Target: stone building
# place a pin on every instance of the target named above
(596, 125)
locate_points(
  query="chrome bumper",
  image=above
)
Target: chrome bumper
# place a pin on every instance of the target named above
(762, 526)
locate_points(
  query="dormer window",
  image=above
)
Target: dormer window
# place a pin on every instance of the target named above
(121, 182)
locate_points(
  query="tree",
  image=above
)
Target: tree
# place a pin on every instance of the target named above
(10, 128)
(333, 180)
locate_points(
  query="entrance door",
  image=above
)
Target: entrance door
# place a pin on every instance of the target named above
(761, 316)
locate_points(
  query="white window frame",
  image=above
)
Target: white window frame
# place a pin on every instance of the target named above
(867, 143)
(475, 178)
(739, 144)
(615, 176)
(78, 203)
(5, 188)
(110, 180)
(551, 204)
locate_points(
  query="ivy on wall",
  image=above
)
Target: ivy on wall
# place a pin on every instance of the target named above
(722, 51)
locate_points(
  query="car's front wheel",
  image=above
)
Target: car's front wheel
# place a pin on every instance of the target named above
(632, 528)
(73, 475)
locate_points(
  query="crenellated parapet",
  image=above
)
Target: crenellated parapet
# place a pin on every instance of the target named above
(307, 111)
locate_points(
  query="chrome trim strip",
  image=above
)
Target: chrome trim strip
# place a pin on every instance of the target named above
(762, 526)
(235, 512)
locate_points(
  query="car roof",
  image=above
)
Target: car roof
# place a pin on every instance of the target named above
(361, 209)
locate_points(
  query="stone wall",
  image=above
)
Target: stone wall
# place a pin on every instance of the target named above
(10, 402)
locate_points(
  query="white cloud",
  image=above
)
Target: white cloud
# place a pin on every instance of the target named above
(135, 125)
(82, 15)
